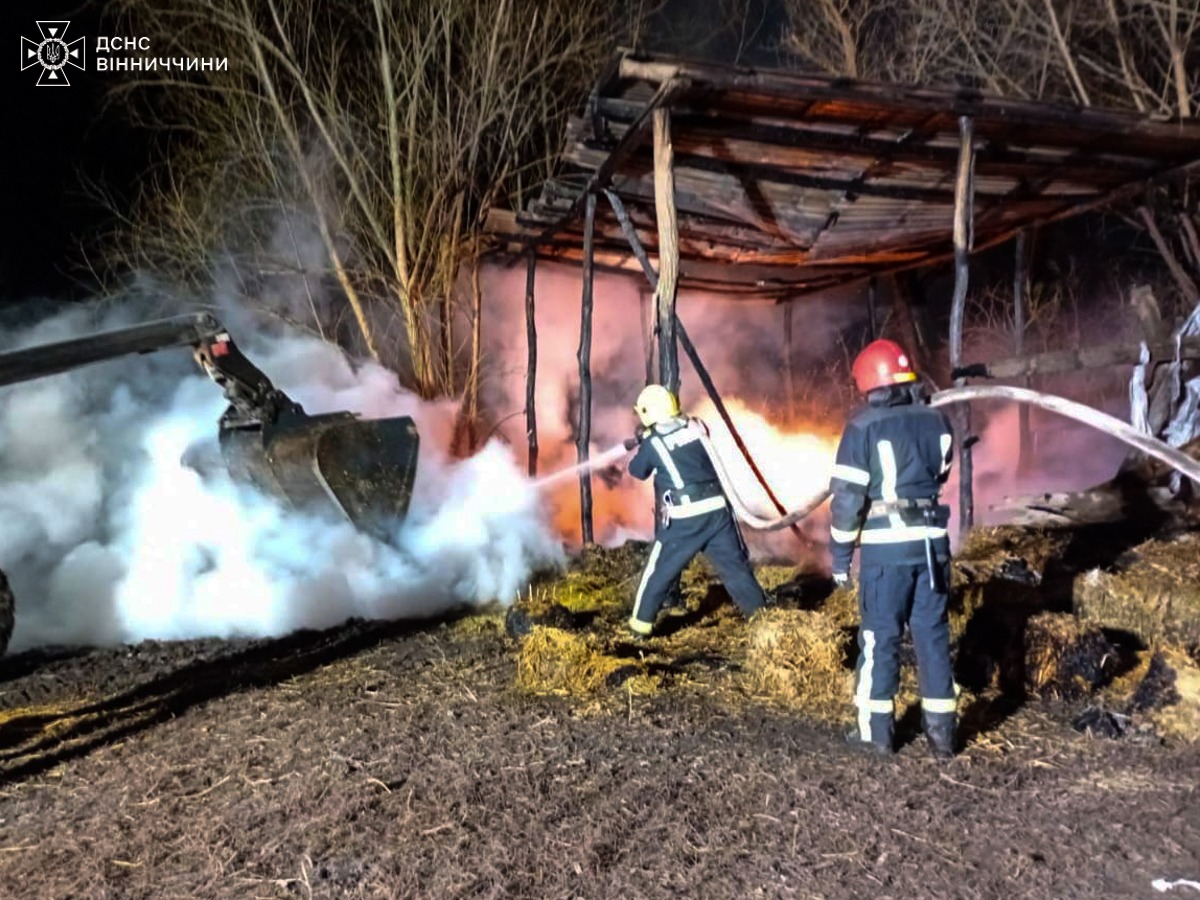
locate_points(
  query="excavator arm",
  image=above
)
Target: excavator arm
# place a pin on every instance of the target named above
(362, 469)
(253, 400)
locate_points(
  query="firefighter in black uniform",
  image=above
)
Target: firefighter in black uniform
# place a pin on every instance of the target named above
(695, 515)
(893, 458)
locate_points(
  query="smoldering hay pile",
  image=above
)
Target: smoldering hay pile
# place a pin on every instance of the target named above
(107, 538)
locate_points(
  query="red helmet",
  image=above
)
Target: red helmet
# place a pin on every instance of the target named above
(880, 364)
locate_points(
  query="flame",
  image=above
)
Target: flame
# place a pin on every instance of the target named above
(795, 463)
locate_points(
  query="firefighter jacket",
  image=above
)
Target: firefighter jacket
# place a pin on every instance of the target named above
(894, 456)
(676, 452)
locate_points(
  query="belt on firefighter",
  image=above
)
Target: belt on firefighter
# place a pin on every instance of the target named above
(674, 509)
(888, 507)
(696, 491)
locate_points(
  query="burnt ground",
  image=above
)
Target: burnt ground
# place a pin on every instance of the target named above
(391, 760)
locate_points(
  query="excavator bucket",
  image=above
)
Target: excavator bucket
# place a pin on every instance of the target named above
(361, 470)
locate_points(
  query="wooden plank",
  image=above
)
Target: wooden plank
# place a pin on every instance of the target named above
(1091, 357)
(584, 358)
(963, 195)
(736, 172)
(531, 363)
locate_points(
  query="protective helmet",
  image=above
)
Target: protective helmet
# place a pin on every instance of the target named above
(656, 404)
(882, 363)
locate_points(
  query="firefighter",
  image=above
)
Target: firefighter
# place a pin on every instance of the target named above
(695, 515)
(894, 456)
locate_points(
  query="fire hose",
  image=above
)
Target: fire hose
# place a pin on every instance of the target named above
(1093, 418)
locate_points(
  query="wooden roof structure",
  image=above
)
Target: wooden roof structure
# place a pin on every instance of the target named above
(787, 183)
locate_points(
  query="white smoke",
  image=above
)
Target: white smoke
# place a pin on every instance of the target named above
(106, 537)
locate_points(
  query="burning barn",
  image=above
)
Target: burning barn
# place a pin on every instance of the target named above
(757, 186)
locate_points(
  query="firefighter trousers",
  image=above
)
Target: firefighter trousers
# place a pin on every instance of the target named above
(714, 534)
(889, 597)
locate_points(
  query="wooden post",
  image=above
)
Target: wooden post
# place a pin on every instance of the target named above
(1020, 293)
(476, 353)
(872, 307)
(668, 250)
(531, 362)
(585, 373)
(964, 191)
(690, 349)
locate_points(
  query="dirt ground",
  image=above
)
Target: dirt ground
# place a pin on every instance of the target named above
(392, 760)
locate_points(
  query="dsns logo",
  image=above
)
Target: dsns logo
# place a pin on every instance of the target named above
(53, 54)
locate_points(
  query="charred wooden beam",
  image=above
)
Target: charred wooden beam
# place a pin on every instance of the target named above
(963, 195)
(584, 358)
(631, 235)
(531, 363)
(668, 255)
(697, 363)
(664, 96)
(1078, 358)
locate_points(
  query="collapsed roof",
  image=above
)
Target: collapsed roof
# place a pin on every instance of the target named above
(804, 182)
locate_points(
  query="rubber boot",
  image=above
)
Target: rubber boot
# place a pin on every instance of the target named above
(939, 732)
(881, 740)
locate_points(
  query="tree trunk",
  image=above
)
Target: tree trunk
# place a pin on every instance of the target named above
(668, 253)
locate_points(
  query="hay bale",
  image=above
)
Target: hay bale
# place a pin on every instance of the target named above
(1065, 658)
(489, 622)
(1008, 553)
(553, 661)
(1169, 695)
(772, 577)
(1156, 596)
(600, 580)
(797, 658)
(841, 607)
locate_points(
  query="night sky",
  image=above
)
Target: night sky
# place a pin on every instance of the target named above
(54, 134)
